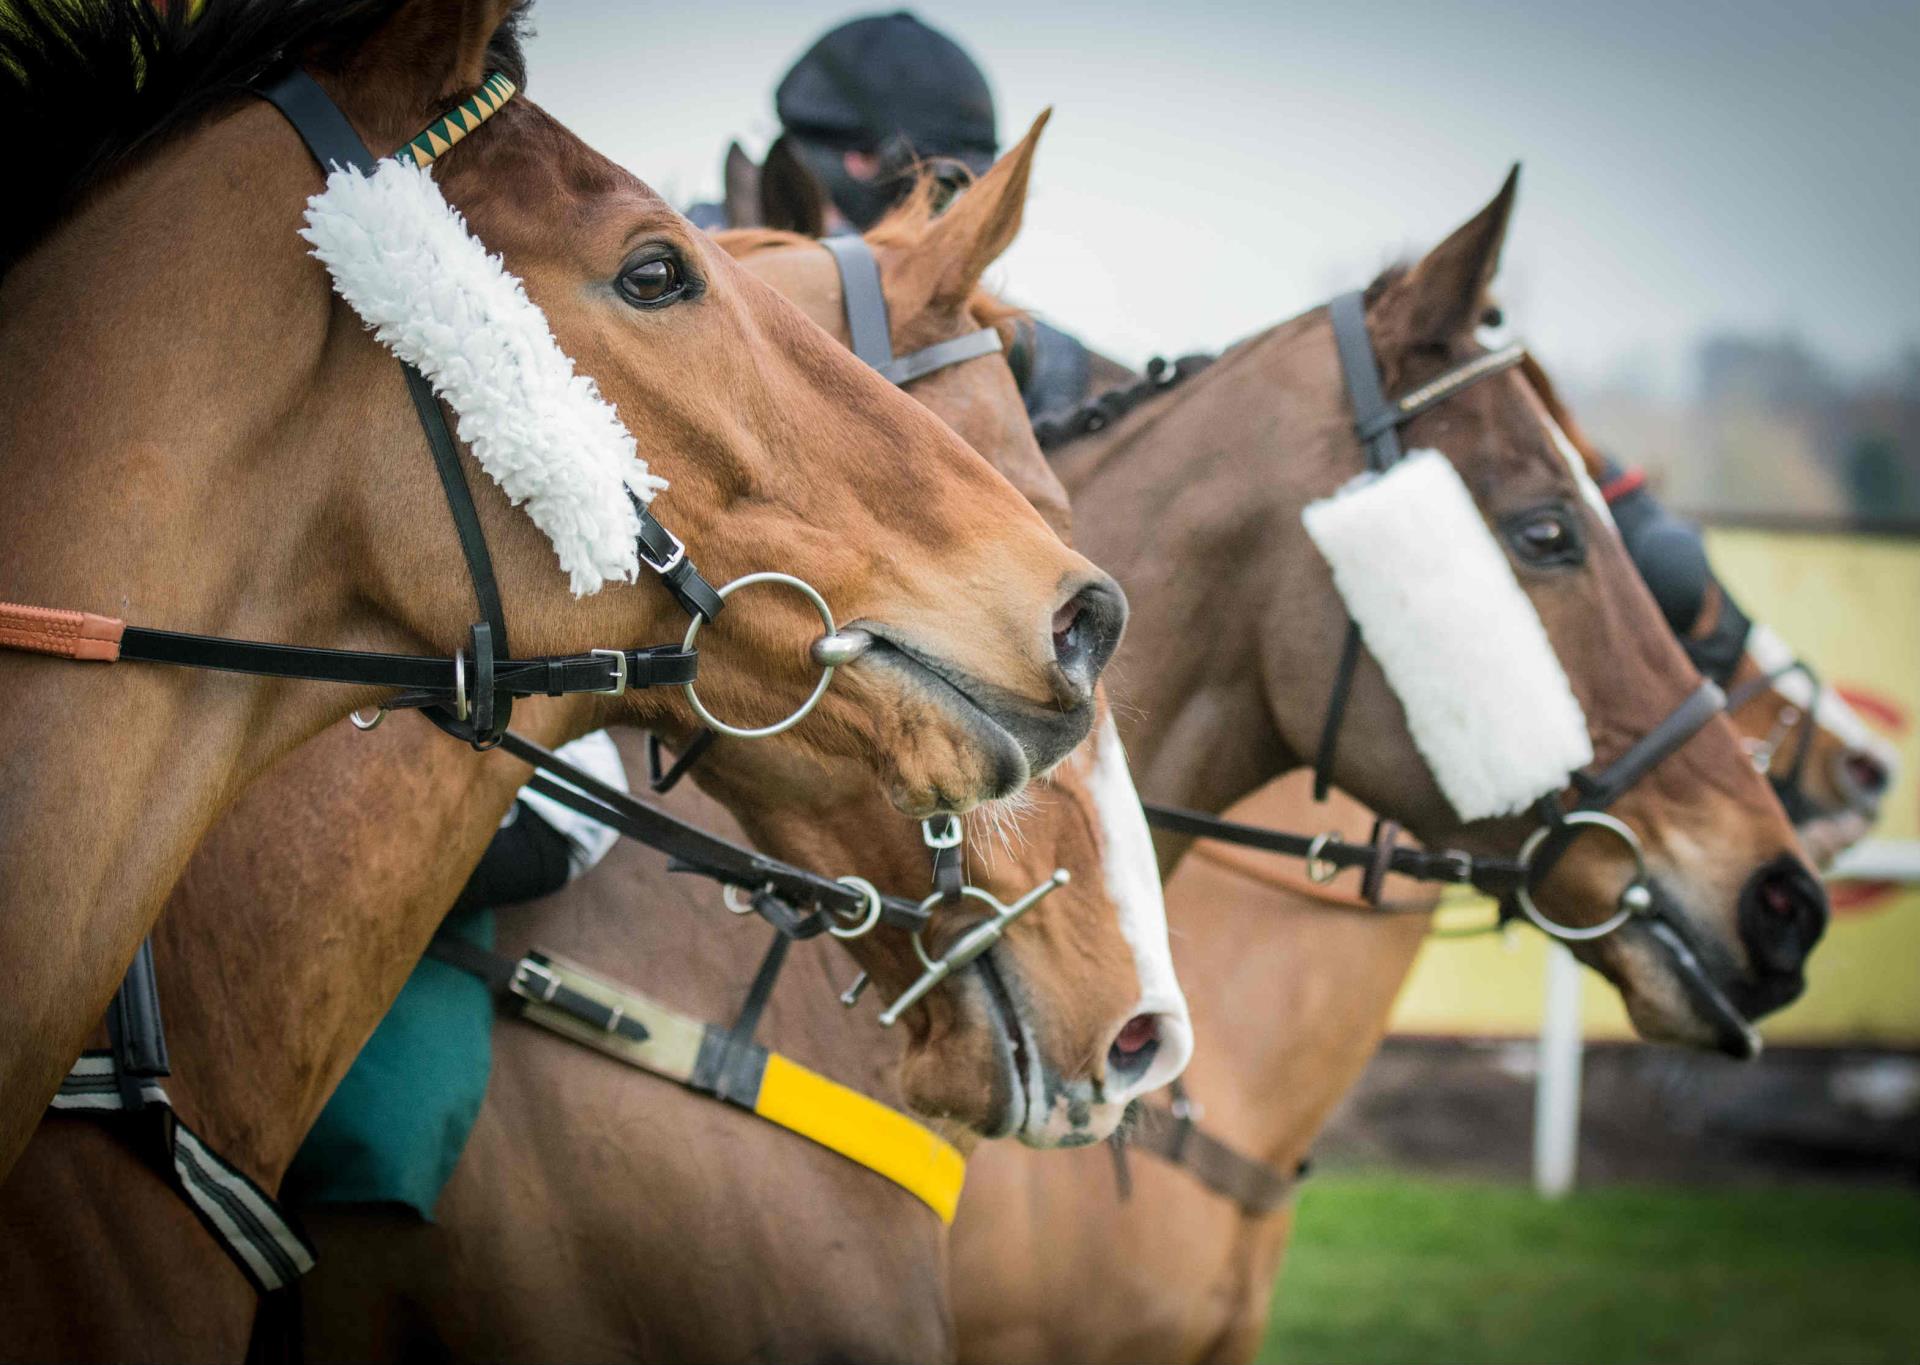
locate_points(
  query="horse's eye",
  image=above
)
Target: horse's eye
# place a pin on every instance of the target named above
(1546, 535)
(653, 281)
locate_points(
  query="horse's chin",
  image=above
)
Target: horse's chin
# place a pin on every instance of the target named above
(1676, 990)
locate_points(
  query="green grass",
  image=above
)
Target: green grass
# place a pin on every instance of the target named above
(1394, 1270)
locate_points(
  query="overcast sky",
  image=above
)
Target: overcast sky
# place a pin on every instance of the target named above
(1213, 168)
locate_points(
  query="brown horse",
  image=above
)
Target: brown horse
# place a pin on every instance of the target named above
(549, 1239)
(185, 389)
(1201, 1288)
(1226, 457)
(331, 842)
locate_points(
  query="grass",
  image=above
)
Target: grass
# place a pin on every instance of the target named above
(1394, 1270)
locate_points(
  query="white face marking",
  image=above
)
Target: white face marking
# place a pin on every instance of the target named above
(1830, 711)
(1133, 881)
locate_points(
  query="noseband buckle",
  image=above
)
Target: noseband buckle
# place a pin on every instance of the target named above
(620, 674)
(1635, 898)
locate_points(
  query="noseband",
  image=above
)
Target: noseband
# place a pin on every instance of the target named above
(1377, 421)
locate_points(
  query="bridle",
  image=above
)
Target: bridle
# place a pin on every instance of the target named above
(470, 695)
(1377, 422)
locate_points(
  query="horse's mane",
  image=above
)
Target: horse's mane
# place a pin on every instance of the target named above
(905, 225)
(88, 86)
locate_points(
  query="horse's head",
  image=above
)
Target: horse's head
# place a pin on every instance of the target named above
(769, 447)
(1829, 769)
(1076, 1010)
(1510, 644)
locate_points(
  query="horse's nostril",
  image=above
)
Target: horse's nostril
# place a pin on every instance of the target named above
(1133, 1048)
(1783, 912)
(1868, 774)
(1086, 631)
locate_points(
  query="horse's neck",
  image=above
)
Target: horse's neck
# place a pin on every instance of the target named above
(303, 913)
(1182, 501)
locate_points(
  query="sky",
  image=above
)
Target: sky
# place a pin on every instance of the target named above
(1212, 169)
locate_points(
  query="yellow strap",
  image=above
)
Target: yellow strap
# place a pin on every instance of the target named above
(863, 1130)
(804, 1102)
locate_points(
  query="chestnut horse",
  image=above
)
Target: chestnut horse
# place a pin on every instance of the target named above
(1225, 458)
(331, 842)
(198, 434)
(1325, 969)
(549, 1239)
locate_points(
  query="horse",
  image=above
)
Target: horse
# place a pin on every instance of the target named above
(1225, 456)
(187, 389)
(1074, 1013)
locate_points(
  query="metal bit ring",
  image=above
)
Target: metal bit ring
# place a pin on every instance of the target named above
(1634, 897)
(713, 722)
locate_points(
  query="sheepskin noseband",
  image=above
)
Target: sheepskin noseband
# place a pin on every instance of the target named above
(1437, 603)
(404, 260)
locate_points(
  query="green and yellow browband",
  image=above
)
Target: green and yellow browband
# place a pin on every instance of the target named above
(463, 118)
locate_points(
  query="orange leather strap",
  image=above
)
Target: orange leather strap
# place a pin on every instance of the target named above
(68, 634)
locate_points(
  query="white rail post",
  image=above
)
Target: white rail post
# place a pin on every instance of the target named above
(1556, 1096)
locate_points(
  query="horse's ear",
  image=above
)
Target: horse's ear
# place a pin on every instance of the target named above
(949, 260)
(791, 196)
(741, 197)
(1445, 295)
(433, 50)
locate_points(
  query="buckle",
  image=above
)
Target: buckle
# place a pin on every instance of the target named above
(620, 674)
(936, 836)
(1187, 1110)
(522, 983)
(673, 561)
(1457, 866)
(460, 707)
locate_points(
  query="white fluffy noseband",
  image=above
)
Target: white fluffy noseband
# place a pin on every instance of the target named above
(1438, 605)
(403, 258)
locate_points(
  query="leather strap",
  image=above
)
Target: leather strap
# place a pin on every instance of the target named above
(788, 1095)
(1175, 1136)
(662, 778)
(321, 123)
(777, 888)
(731, 1065)
(134, 1025)
(426, 679)
(918, 364)
(871, 327)
(516, 981)
(1375, 421)
(1437, 391)
(1680, 725)
(1495, 876)
(866, 301)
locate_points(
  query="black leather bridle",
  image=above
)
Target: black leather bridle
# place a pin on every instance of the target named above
(482, 705)
(1377, 421)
